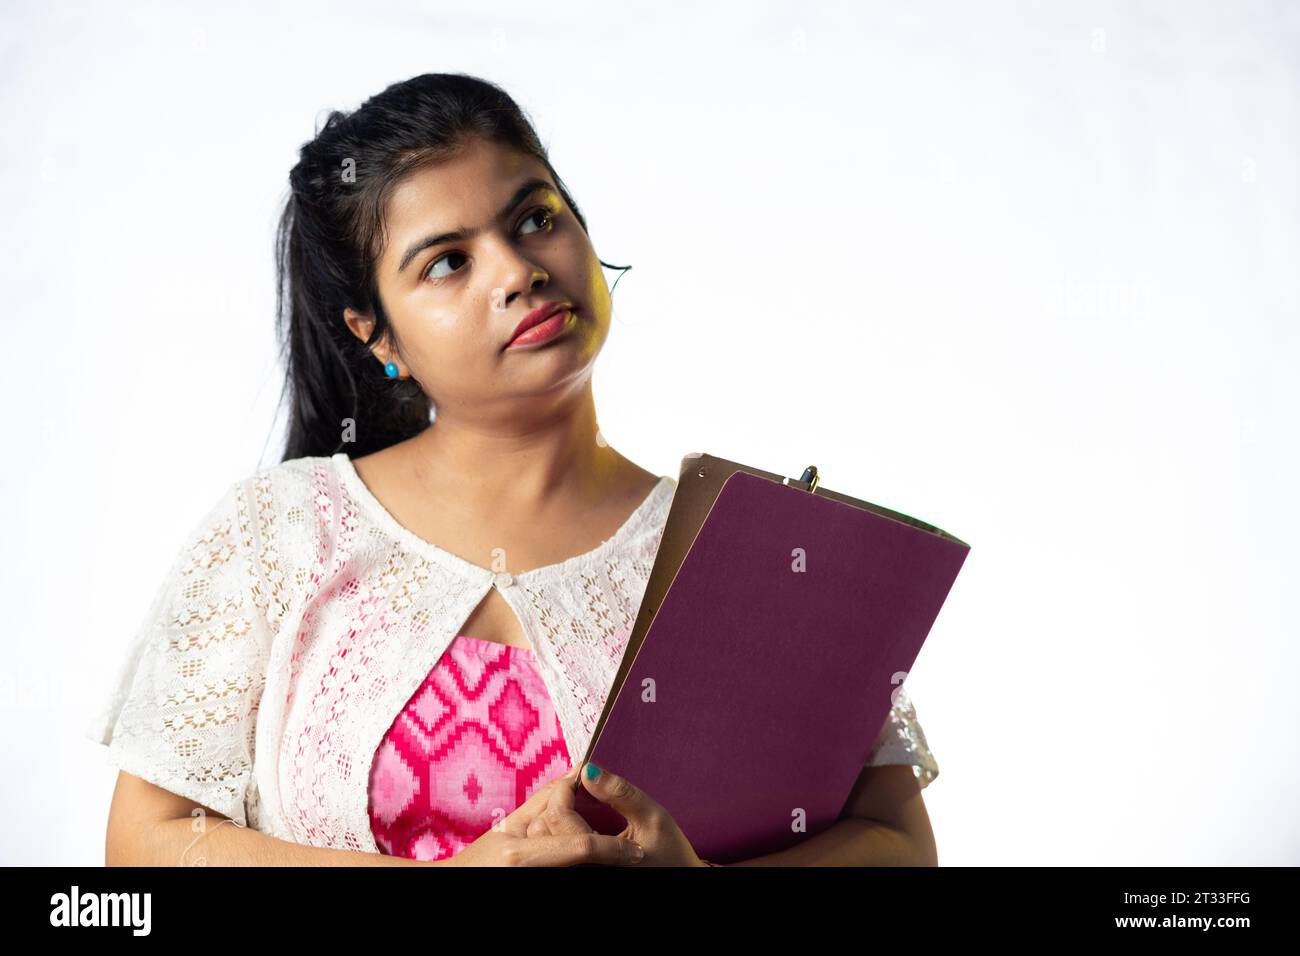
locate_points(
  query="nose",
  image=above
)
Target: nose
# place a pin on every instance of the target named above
(519, 276)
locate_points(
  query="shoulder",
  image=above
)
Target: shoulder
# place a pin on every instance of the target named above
(645, 526)
(288, 514)
(294, 474)
(288, 490)
(271, 502)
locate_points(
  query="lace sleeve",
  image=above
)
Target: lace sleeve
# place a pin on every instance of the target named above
(182, 712)
(902, 741)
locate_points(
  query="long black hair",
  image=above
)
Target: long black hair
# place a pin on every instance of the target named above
(327, 247)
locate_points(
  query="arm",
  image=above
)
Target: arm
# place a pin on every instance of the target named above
(150, 826)
(883, 823)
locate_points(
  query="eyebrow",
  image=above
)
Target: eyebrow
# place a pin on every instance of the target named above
(460, 235)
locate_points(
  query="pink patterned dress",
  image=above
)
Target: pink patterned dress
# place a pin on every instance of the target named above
(475, 741)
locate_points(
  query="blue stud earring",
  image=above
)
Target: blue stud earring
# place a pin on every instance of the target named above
(391, 370)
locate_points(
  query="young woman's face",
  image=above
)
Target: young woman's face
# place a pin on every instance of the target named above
(454, 304)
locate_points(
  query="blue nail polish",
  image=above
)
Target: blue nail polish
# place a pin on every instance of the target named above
(592, 771)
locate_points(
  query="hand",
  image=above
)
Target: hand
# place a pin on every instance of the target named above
(546, 830)
(648, 823)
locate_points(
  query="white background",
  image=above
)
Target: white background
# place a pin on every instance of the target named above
(1024, 270)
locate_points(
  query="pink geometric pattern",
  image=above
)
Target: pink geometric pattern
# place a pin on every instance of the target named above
(475, 741)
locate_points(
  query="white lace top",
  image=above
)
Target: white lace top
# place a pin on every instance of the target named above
(299, 618)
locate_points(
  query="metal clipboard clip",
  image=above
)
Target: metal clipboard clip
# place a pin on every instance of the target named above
(810, 477)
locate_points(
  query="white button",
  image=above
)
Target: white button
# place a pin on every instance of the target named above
(504, 580)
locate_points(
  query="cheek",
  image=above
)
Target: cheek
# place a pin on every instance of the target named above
(596, 293)
(444, 343)
(570, 249)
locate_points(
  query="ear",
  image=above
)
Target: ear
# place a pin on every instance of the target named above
(361, 326)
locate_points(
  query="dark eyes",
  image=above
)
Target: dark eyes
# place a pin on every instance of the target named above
(547, 223)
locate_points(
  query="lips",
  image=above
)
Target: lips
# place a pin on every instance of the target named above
(538, 316)
(555, 325)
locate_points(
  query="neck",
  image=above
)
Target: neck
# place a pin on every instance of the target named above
(520, 466)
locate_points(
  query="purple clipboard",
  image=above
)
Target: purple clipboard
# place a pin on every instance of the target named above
(778, 620)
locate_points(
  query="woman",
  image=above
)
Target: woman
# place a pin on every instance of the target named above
(315, 669)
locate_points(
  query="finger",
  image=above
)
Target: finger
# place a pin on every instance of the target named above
(562, 794)
(633, 803)
(561, 815)
(578, 848)
(519, 820)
